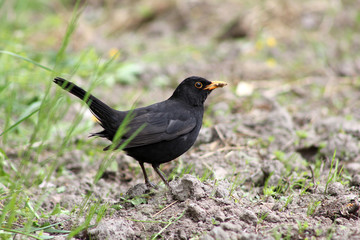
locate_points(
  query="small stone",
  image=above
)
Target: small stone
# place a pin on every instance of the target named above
(195, 212)
(277, 206)
(272, 167)
(345, 145)
(353, 167)
(220, 172)
(244, 89)
(335, 189)
(188, 187)
(222, 189)
(205, 135)
(272, 218)
(219, 233)
(320, 189)
(339, 221)
(112, 229)
(250, 236)
(248, 217)
(221, 193)
(355, 180)
(274, 180)
(220, 216)
(182, 234)
(206, 237)
(231, 227)
(137, 190)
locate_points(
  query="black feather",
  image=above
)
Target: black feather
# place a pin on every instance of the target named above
(108, 117)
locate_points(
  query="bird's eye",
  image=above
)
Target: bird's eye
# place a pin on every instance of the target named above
(198, 85)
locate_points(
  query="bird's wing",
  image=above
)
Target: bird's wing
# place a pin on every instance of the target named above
(159, 122)
(159, 126)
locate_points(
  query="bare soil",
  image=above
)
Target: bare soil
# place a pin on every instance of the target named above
(262, 165)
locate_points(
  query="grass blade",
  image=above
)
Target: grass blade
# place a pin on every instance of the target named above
(19, 232)
(20, 121)
(26, 59)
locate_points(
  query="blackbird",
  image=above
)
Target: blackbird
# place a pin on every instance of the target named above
(157, 133)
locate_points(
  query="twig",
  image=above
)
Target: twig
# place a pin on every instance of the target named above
(221, 136)
(207, 165)
(143, 226)
(171, 221)
(312, 174)
(227, 148)
(164, 208)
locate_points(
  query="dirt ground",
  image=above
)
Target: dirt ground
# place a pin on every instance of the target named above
(263, 165)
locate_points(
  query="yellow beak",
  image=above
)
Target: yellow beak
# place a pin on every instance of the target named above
(215, 84)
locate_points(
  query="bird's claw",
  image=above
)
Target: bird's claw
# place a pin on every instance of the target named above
(150, 185)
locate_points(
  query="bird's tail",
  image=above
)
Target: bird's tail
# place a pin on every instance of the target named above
(104, 114)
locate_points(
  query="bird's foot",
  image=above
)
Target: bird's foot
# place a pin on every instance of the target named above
(150, 185)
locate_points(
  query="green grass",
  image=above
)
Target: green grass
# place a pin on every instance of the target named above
(29, 127)
(35, 137)
(171, 221)
(334, 172)
(32, 125)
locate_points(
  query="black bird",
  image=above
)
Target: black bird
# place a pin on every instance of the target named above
(157, 133)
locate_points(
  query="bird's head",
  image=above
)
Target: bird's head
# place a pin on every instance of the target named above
(194, 90)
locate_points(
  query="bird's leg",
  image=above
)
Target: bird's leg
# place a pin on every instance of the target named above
(147, 182)
(157, 170)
